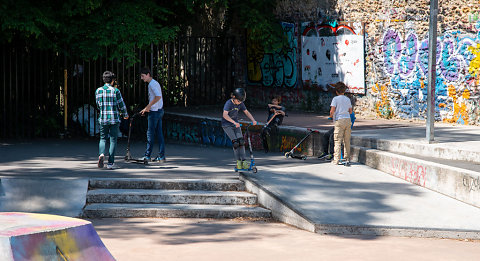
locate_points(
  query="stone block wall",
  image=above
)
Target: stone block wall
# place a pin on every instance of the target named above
(396, 57)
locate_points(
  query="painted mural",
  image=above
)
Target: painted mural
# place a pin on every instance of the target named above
(404, 56)
(29, 236)
(276, 69)
(333, 53)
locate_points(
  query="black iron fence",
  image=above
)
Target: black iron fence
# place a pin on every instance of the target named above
(38, 87)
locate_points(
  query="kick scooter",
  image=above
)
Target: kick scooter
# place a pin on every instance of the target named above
(252, 160)
(128, 156)
(296, 156)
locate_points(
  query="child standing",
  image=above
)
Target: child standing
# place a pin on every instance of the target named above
(276, 112)
(232, 128)
(340, 110)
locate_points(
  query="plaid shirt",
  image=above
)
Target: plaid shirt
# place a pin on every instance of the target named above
(110, 103)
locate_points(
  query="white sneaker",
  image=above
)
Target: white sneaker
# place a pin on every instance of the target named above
(111, 166)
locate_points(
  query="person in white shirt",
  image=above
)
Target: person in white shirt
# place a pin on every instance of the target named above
(340, 110)
(155, 115)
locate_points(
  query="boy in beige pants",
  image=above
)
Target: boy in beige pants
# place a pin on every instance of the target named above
(340, 110)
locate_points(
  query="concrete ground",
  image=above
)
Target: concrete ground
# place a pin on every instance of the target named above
(202, 239)
(50, 176)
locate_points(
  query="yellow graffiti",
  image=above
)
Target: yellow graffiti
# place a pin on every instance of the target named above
(255, 55)
(66, 243)
(288, 143)
(382, 106)
(474, 67)
(459, 106)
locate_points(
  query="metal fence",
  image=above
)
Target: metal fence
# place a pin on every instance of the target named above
(38, 87)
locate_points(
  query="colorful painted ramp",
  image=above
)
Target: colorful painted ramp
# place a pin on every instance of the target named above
(28, 236)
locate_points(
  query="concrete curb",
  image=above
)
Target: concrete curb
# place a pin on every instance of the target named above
(281, 210)
(414, 147)
(457, 183)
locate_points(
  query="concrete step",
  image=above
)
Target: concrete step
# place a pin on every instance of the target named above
(170, 196)
(459, 183)
(175, 184)
(174, 211)
(418, 147)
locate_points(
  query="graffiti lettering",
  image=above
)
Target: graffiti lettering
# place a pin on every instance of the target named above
(472, 184)
(274, 69)
(409, 171)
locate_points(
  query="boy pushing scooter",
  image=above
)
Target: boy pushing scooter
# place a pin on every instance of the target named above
(232, 128)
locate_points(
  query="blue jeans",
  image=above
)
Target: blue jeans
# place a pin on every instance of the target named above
(155, 129)
(105, 130)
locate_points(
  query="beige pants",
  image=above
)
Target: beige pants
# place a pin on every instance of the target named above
(342, 133)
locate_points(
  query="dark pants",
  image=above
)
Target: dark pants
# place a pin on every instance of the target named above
(267, 131)
(155, 130)
(328, 141)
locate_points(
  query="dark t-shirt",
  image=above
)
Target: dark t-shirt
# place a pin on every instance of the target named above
(279, 119)
(232, 112)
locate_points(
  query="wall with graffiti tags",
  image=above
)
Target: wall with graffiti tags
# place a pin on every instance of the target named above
(189, 129)
(395, 56)
(277, 68)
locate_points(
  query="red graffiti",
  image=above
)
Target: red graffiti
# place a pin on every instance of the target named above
(346, 42)
(409, 171)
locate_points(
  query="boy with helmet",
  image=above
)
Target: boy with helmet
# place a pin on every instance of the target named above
(232, 128)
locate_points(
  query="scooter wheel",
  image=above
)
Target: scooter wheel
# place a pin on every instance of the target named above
(288, 154)
(304, 157)
(145, 162)
(254, 169)
(126, 158)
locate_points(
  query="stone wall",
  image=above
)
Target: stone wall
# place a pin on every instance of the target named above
(396, 56)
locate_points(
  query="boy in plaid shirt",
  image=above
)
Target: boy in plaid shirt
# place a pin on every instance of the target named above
(110, 104)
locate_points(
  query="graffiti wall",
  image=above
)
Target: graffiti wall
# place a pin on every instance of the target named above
(404, 55)
(208, 131)
(331, 54)
(393, 57)
(273, 69)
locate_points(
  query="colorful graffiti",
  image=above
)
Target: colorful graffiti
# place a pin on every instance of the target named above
(405, 64)
(332, 54)
(471, 183)
(49, 237)
(276, 69)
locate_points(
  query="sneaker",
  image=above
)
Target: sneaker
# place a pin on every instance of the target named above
(239, 164)
(329, 157)
(245, 164)
(346, 163)
(111, 166)
(323, 155)
(160, 160)
(100, 161)
(147, 158)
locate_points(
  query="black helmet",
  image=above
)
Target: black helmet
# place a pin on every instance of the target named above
(239, 94)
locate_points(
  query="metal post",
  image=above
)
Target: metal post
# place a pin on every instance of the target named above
(65, 99)
(432, 69)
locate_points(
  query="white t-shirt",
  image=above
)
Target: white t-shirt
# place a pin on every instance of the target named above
(155, 90)
(342, 103)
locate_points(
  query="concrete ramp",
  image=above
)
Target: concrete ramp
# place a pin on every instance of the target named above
(28, 236)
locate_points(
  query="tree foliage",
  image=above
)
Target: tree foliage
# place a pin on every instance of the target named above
(91, 28)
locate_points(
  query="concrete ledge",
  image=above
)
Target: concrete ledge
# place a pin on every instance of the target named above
(281, 211)
(414, 147)
(460, 184)
(27, 236)
(396, 231)
(188, 129)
